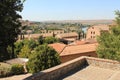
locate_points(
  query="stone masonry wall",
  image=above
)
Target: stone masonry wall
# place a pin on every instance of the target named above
(103, 63)
(58, 71)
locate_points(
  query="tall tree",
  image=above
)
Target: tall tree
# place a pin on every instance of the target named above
(9, 25)
(109, 43)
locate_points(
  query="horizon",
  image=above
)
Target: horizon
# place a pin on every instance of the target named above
(69, 10)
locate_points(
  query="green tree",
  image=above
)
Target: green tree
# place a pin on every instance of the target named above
(32, 44)
(50, 40)
(27, 45)
(109, 43)
(25, 52)
(9, 25)
(118, 17)
(41, 40)
(42, 58)
(18, 46)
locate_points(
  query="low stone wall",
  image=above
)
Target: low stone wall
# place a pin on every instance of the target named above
(103, 63)
(56, 72)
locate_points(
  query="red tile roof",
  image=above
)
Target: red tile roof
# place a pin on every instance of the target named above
(58, 46)
(67, 35)
(78, 42)
(77, 49)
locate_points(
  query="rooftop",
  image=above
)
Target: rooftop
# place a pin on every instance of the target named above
(77, 49)
(64, 35)
(82, 68)
(17, 60)
(101, 27)
(94, 73)
(58, 46)
(78, 42)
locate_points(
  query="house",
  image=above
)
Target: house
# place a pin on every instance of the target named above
(70, 52)
(79, 42)
(67, 37)
(75, 51)
(52, 31)
(82, 42)
(82, 68)
(36, 36)
(96, 30)
(59, 47)
(21, 61)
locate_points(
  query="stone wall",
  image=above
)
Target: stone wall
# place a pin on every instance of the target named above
(103, 63)
(56, 72)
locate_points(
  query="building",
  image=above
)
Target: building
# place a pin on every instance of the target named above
(82, 68)
(21, 61)
(36, 36)
(75, 51)
(52, 31)
(59, 47)
(96, 30)
(70, 52)
(79, 42)
(82, 42)
(67, 37)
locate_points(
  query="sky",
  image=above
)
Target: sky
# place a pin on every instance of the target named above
(46, 10)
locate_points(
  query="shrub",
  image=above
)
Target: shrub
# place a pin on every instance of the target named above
(42, 58)
(5, 70)
(17, 69)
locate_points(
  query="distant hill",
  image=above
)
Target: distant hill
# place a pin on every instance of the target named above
(83, 21)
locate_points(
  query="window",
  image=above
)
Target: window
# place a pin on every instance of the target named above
(91, 32)
(91, 36)
(94, 32)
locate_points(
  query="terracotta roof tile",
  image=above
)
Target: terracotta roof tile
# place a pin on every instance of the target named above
(78, 42)
(64, 35)
(58, 46)
(77, 49)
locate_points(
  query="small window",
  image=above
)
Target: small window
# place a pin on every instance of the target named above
(92, 27)
(94, 32)
(91, 36)
(91, 32)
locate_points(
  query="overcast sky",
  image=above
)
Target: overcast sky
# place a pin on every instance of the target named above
(44, 10)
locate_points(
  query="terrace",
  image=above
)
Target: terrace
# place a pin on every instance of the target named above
(82, 68)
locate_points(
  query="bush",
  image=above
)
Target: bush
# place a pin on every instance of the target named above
(42, 58)
(17, 69)
(5, 70)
